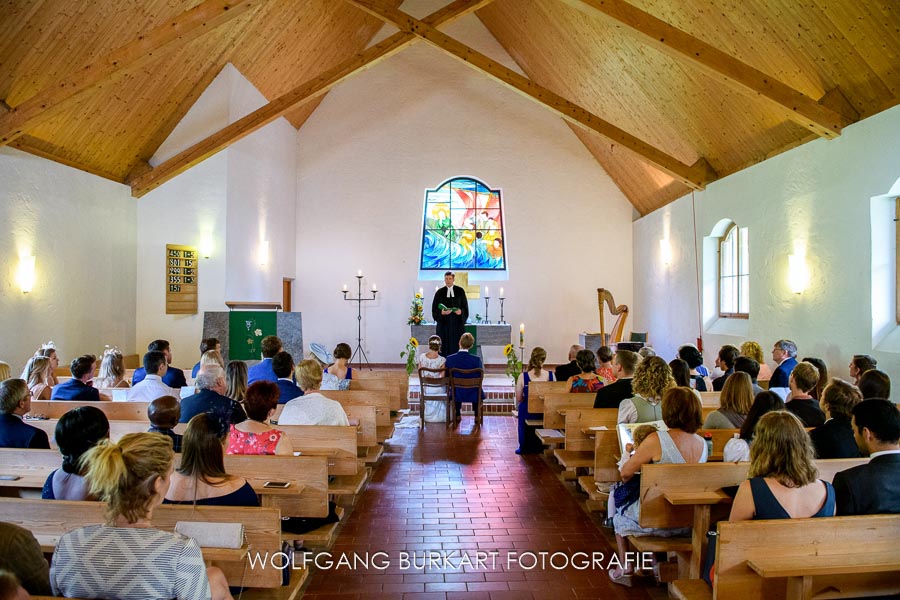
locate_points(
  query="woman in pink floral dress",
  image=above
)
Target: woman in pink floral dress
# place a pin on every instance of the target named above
(256, 435)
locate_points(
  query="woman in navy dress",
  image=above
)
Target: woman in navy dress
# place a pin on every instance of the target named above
(528, 440)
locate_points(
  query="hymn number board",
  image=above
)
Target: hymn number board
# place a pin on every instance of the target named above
(181, 279)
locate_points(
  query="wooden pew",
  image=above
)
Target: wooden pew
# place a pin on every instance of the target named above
(562, 401)
(397, 383)
(710, 398)
(538, 389)
(114, 411)
(262, 528)
(799, 559)
(336, 443)
(606, 470)
(579, 446)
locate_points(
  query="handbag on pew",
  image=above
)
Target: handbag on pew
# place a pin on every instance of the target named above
(213, 535)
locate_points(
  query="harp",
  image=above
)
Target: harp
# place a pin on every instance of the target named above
(620, 312)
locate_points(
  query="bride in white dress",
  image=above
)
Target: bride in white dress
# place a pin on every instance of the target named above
(435, 412)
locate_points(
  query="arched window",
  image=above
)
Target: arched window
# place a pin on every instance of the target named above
(734, 273)
(463, 227)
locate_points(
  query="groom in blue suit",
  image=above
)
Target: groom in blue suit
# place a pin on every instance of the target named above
(464, 360)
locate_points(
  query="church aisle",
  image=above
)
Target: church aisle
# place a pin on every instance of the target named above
(456, 496)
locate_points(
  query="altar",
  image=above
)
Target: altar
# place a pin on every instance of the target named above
(486, 334)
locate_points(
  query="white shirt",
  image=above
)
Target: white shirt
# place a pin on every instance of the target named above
(149, 389)
(313, 409)
(450, 291)
(874, 454)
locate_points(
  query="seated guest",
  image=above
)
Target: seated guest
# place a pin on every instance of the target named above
(151, 386)
(39, 378)
(211, 357)
(21, 555)
(605, 370)
(819, 364)
(283, 366)
(694, 360)
(312, 408)
(784, 354)
(256, 435)
(49, 351)
(564, 372)
(734, 404)
(754, 351)
(339, 368)
(745, 364)
(210, 385)
(610, 396)
(680, 444)
(132, 477)
(528, 440)
(79, 387)
(681, 373)
(435, 410)
(859, 364)
(725, 361)
(201, 478)
(10, 588)
(873, 488)
(262, 371)
(651, 380)
(464, 360)
(15, 401)
(646, 352)
(783, 479)
(112, 370)
(875, 384)
(587, 381)
(803, 379)
(174, 377)
(5, 372)
(835, 438)
(163, 414)
(738, 449)
(207, 344)
(77, 431)
(236, 380)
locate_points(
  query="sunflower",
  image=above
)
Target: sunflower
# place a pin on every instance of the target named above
(418, 296)
(508, 350)
(414, 342)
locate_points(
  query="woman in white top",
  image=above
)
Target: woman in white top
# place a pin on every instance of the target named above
(435, 411)
(39, 378)
(312, 408)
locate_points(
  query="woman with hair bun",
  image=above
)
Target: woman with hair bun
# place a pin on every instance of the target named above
(435, 410)
(127, 557)
(528, 440)
(77, 431)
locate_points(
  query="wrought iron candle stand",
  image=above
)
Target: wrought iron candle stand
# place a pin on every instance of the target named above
(359, 300)
(501, 322)
(487, 302)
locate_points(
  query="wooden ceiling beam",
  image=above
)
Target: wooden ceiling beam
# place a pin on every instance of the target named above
(278, 107)
(800, 108)
(170, 36)
(695, 176)
(38, 147)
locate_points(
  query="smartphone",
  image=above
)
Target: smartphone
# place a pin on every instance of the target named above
(277, 484)
(10, 477)
(297, 453)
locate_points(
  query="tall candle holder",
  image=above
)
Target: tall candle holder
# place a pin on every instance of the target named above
(501, 322)
(487, 303)
(359, 300)
(522, 354)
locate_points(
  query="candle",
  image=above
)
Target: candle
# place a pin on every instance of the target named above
(374, 288)
(421, 292)
(487, 292)
(345, 287)
(501, 292)
(522, 335)
(359, 273)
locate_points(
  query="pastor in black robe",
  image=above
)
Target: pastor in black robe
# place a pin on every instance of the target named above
(450, 327)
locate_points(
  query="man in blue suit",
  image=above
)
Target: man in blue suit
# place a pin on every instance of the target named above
(15, 401)
(79, 388)
(464, 360)
(283, 366)
(262, 371)
(211, 399)
(174, 377)
(784, 353)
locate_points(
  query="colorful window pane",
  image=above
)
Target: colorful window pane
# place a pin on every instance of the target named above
(463, 227)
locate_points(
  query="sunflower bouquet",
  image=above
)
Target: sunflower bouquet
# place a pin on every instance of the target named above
(410, 355)
(513, 364)
(416, 311)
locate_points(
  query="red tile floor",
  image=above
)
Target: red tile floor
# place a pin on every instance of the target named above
(459, 492)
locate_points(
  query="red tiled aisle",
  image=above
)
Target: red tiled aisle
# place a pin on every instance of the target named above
(465, 490)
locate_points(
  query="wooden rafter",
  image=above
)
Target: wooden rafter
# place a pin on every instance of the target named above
(815, 116)
(170, 36)
(278, 107)
(695, 176)
(44, 149)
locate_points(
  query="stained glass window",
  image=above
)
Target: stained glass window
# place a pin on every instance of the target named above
(463, 227)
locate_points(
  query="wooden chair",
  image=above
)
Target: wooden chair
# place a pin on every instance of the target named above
(434, 378)
(468, 379)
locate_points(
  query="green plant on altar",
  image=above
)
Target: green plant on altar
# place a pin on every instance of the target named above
(416, 312)
(410, 355)
(478, 318)
(513, 364)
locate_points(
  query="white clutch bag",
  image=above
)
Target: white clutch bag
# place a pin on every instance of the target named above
(213, 535)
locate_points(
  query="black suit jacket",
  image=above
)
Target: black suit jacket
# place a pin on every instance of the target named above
(869, 489)
(835, 439)
(808, 411)
(610, 396)
(15, 433)
(719, 382)
(563, 372)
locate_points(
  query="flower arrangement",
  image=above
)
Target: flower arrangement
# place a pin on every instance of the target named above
(410, 354)
(513, 364)
(416, 311)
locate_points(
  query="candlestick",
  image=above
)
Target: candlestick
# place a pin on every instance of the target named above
(522, 335)
(487, 304)
(501, 321)
(359, 300)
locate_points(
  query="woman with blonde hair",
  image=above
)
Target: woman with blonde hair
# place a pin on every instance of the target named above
(5, 372)
(39, 378)
(212, 357)
(528, 440)
(753, 350)
(236, 380)
(435, 410)
(783, 479)
(132, 477)
(112, 370)
(312, 408)
(734, 403)
(652, 378)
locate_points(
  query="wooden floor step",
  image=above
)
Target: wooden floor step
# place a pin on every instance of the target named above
(373, 455)
(384, 432)
(690, 589)
(575, 459)
(348, 485)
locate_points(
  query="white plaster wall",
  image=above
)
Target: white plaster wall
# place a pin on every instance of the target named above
(80, 229)
(818, 193)
(380, 139)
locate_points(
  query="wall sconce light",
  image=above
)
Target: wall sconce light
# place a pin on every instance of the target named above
(206, 244)
(665, 252)
(798, 271)
(25, 276)
(264, 253)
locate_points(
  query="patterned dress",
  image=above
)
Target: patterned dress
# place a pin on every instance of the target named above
(586, 386)
(243, 442)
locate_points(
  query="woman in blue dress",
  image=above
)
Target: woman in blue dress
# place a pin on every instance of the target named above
(528, 440)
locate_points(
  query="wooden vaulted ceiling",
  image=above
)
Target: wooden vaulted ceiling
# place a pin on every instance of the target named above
(668, 95)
